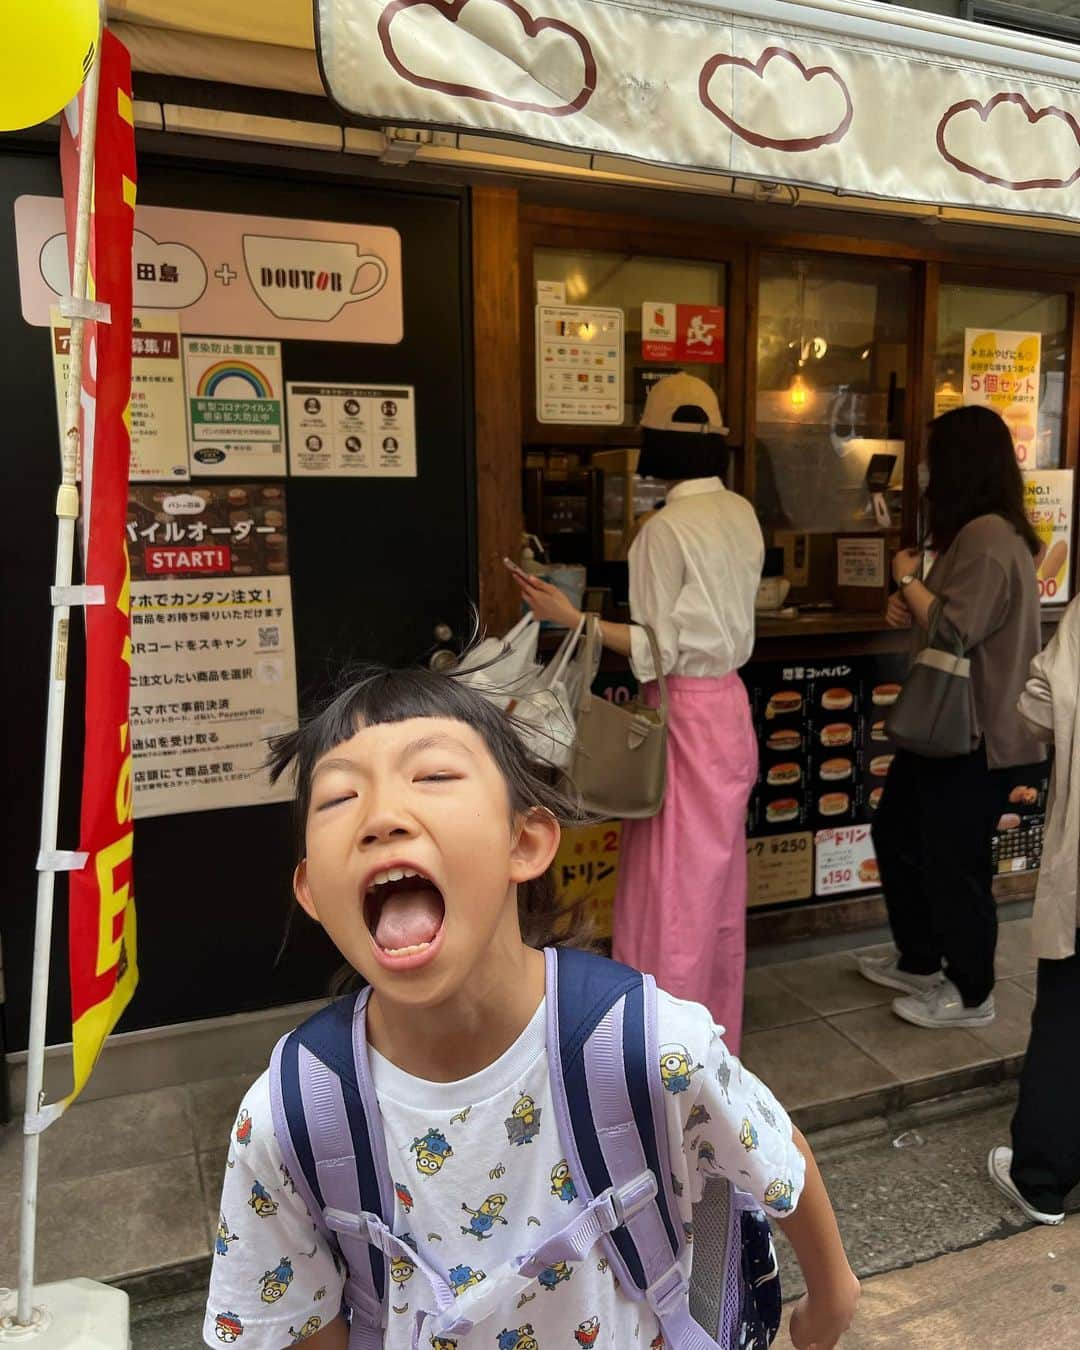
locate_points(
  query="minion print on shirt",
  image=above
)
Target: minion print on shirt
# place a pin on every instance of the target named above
(521, 1338)
(431, 1152)
(587, 1332)
(310, 1327)
(262, 1202)
(562, 1183)
(523, 1123)
(677, 1068)
(224, 1237)
(275, 1283)
(228, 1327)
(486, 1217)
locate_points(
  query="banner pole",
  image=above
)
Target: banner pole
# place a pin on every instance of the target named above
(67, 511)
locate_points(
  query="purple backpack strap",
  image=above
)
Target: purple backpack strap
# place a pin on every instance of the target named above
(604, 1059)
(329, 1128)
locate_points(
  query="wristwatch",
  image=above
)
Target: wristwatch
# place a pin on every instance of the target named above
(908, 579)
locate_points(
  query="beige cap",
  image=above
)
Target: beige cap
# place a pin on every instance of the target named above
(673, 392)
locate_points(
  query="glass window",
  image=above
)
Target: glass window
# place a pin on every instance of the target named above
(627, 282)
(832, 360)
(966, 313)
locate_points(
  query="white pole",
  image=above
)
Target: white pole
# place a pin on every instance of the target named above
(67, 511)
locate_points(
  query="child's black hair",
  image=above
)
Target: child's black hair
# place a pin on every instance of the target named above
(376, 695)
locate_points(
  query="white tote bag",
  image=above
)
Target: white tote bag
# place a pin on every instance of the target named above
(504, 669)
(544, 715)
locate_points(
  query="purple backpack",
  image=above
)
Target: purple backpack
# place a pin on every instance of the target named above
(610, 1110)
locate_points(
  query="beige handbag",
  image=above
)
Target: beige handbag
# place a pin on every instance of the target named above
(619, 763)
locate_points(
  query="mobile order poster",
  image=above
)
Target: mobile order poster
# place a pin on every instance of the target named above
(213, 670)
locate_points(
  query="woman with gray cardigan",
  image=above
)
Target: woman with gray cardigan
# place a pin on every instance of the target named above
(1043, 1165)
(933, 831)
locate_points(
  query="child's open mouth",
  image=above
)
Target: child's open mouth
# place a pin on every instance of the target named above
(404, 911)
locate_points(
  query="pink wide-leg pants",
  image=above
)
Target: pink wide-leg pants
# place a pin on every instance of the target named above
(680, 905)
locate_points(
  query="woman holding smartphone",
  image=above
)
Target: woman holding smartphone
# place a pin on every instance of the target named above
(934, 829)
(680, 906)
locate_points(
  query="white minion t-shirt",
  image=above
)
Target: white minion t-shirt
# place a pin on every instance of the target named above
(479, 1176)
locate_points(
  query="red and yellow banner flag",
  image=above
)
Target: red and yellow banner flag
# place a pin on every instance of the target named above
(102, 909)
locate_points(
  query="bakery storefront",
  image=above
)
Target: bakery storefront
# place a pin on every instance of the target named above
(840, 275)
(573, 224)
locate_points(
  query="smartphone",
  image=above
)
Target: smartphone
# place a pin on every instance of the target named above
(512, 566)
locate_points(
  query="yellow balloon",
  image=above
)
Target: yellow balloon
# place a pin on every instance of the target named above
(46, 49)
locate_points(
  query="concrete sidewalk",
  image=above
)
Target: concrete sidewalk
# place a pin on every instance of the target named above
(1012, 1294)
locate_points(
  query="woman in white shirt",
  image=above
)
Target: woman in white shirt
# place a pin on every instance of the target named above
(680, 907)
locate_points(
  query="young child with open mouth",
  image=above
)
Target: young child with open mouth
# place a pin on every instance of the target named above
(427, 839)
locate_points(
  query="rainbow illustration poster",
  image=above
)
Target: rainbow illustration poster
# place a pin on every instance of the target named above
(235, 401)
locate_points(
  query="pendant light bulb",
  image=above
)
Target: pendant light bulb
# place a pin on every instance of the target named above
(798, 391)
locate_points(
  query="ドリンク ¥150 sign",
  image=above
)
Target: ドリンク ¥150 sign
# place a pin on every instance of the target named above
(223, 274)
(697, 86)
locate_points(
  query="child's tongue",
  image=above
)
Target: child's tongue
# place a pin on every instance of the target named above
(409, 918)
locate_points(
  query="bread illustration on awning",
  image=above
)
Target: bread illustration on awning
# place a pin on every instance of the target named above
(492, 50)
(777, 102)
(1011, 144)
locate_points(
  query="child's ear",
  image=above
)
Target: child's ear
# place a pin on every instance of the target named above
(302, 890)
(535, 844)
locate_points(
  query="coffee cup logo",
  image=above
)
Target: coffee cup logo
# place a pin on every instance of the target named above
(311, 279)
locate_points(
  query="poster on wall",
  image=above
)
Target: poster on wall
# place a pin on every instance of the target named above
(1048, 503)
(158, 419)
(580, 360)
(235, 397)
(844, 860)
(1001, 371)
(352, 430)
(327, 281)
(683, 334)
(213, 669)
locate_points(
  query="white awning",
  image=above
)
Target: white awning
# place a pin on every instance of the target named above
(850, 96)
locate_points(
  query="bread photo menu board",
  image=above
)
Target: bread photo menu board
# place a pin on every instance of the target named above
(821, 757)
(823, 762)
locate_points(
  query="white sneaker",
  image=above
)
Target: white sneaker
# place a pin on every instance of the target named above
(999, 1165)
(942, 1006)
(885, 970)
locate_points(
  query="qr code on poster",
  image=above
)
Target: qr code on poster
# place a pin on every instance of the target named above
(269, 637)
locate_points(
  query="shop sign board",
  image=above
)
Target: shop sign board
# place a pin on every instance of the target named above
(352, 430)
(234, 388)
(1001, 371)
(684, 334)
(158, 419)
(586, 868)
(328, 281)
(789, 95)
(580, 360)
(1048, 502)
(213, 670)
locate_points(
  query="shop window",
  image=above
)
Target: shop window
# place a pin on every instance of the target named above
(629, 282)
(1032, 401)
(832, 362)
